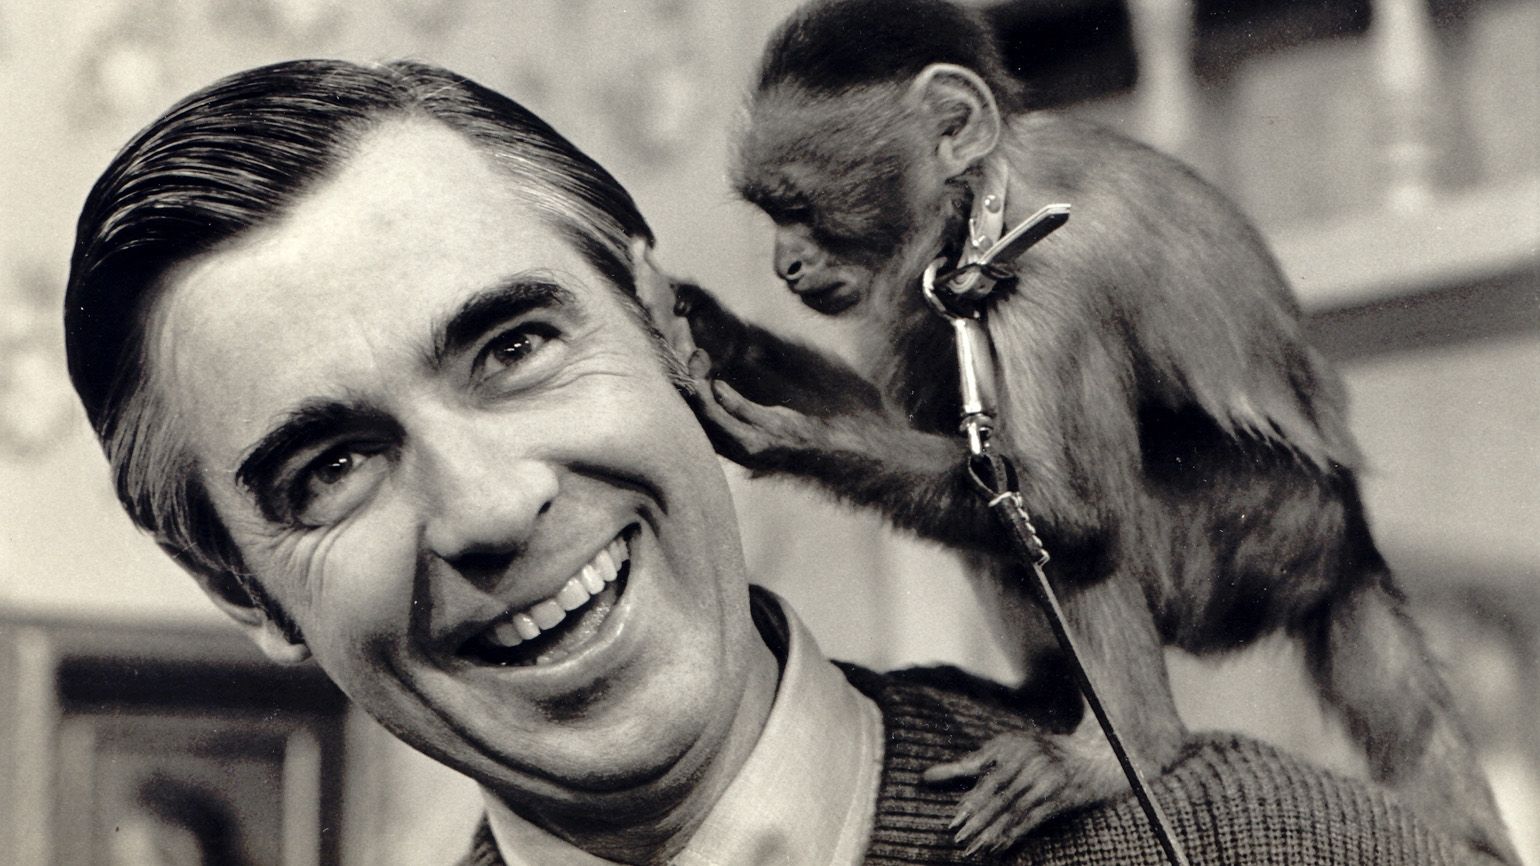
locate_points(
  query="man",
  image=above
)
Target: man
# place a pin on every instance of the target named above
(364, 351)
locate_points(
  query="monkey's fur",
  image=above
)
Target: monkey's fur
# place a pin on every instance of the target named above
(1183, 451)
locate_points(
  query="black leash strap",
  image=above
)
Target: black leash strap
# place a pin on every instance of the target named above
(996, 481)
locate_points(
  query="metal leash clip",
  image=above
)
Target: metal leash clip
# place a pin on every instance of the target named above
(964, 287)
(979, 266)
(975, 365)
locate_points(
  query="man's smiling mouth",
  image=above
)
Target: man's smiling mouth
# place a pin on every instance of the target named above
(553, 628)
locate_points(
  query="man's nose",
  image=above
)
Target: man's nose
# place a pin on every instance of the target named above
(484, 504)
(795, 254)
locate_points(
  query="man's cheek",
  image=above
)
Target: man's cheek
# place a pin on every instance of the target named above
(354, 579)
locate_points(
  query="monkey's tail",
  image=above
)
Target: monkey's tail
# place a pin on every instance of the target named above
(1370, 662)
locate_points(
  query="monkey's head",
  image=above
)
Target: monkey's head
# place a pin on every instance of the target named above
(863, 140)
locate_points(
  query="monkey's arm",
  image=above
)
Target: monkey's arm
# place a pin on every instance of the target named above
(769, 369)
(872, 459)
(778, 407)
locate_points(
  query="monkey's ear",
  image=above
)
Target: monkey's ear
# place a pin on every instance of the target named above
(962, 113)
(230, 595)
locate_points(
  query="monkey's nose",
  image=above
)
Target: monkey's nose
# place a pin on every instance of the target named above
(790, 271)
(795, 255)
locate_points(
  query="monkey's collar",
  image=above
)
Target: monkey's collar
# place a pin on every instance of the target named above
(961, 290)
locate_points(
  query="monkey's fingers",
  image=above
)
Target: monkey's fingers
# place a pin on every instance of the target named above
(1025, 804)
(769, 426)
(996, 794)
(731, 437)
(702, 399)
(698, 365)
(732, 407)
(970, 767)
(982, 805)
(1026, 813)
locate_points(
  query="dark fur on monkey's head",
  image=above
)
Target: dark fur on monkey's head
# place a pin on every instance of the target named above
(833, 46)
(867, 123)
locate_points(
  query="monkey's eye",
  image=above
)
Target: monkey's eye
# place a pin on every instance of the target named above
(783, 207)
(790, 215)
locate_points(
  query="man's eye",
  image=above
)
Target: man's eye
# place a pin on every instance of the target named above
(513, 346)
(335, 483)
(333, 468)
(511, 350)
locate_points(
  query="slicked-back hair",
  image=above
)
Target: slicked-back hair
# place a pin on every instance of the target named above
(829, 47)
(235, 156)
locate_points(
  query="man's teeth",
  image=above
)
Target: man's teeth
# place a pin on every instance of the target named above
(590, 580)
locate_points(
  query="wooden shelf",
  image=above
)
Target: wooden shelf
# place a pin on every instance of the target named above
(1369, 257)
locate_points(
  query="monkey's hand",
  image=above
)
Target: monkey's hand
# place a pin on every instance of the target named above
(1021, 780)
(766, 437)
(761, 366)
(689, 316)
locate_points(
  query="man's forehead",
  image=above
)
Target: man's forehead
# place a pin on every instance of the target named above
(353, 279)
(406, 172)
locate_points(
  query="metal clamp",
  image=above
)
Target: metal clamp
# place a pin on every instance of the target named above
(975, 366)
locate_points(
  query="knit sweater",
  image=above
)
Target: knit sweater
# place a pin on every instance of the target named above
(1231, 799)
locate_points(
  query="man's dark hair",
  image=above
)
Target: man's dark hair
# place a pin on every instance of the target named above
(235, 156)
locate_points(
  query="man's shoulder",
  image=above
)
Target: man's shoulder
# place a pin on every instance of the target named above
(1232, 799)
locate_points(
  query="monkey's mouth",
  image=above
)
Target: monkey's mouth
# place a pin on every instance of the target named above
(829, 300)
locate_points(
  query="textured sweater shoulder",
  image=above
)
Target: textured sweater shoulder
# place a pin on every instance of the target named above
(1232, 800)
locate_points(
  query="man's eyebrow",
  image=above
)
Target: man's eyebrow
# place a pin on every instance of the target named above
(309, 422)
(511, 297)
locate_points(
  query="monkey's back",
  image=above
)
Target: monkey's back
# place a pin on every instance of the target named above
(1210, 437)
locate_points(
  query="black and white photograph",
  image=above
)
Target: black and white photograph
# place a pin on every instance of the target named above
(777, 433)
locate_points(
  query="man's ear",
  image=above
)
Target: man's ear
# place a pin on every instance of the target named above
(658, 294)
(231, 595)
(653, 288)
(962, 114)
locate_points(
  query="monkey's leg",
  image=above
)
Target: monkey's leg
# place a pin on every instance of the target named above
(1370, 662)
(1047, 694)
(1024, 779)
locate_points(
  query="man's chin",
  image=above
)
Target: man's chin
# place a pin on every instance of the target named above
(616, 779)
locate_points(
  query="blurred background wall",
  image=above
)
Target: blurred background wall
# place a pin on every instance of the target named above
(1390, 150)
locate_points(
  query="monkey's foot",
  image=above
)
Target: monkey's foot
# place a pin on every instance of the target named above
(1021, 780)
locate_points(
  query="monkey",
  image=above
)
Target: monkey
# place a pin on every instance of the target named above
(1183, 450)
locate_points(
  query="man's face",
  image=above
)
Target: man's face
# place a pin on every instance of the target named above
(420, 412)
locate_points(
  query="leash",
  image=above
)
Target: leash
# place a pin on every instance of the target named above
(957, 296)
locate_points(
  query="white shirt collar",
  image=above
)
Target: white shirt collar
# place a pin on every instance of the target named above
(807, 793)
